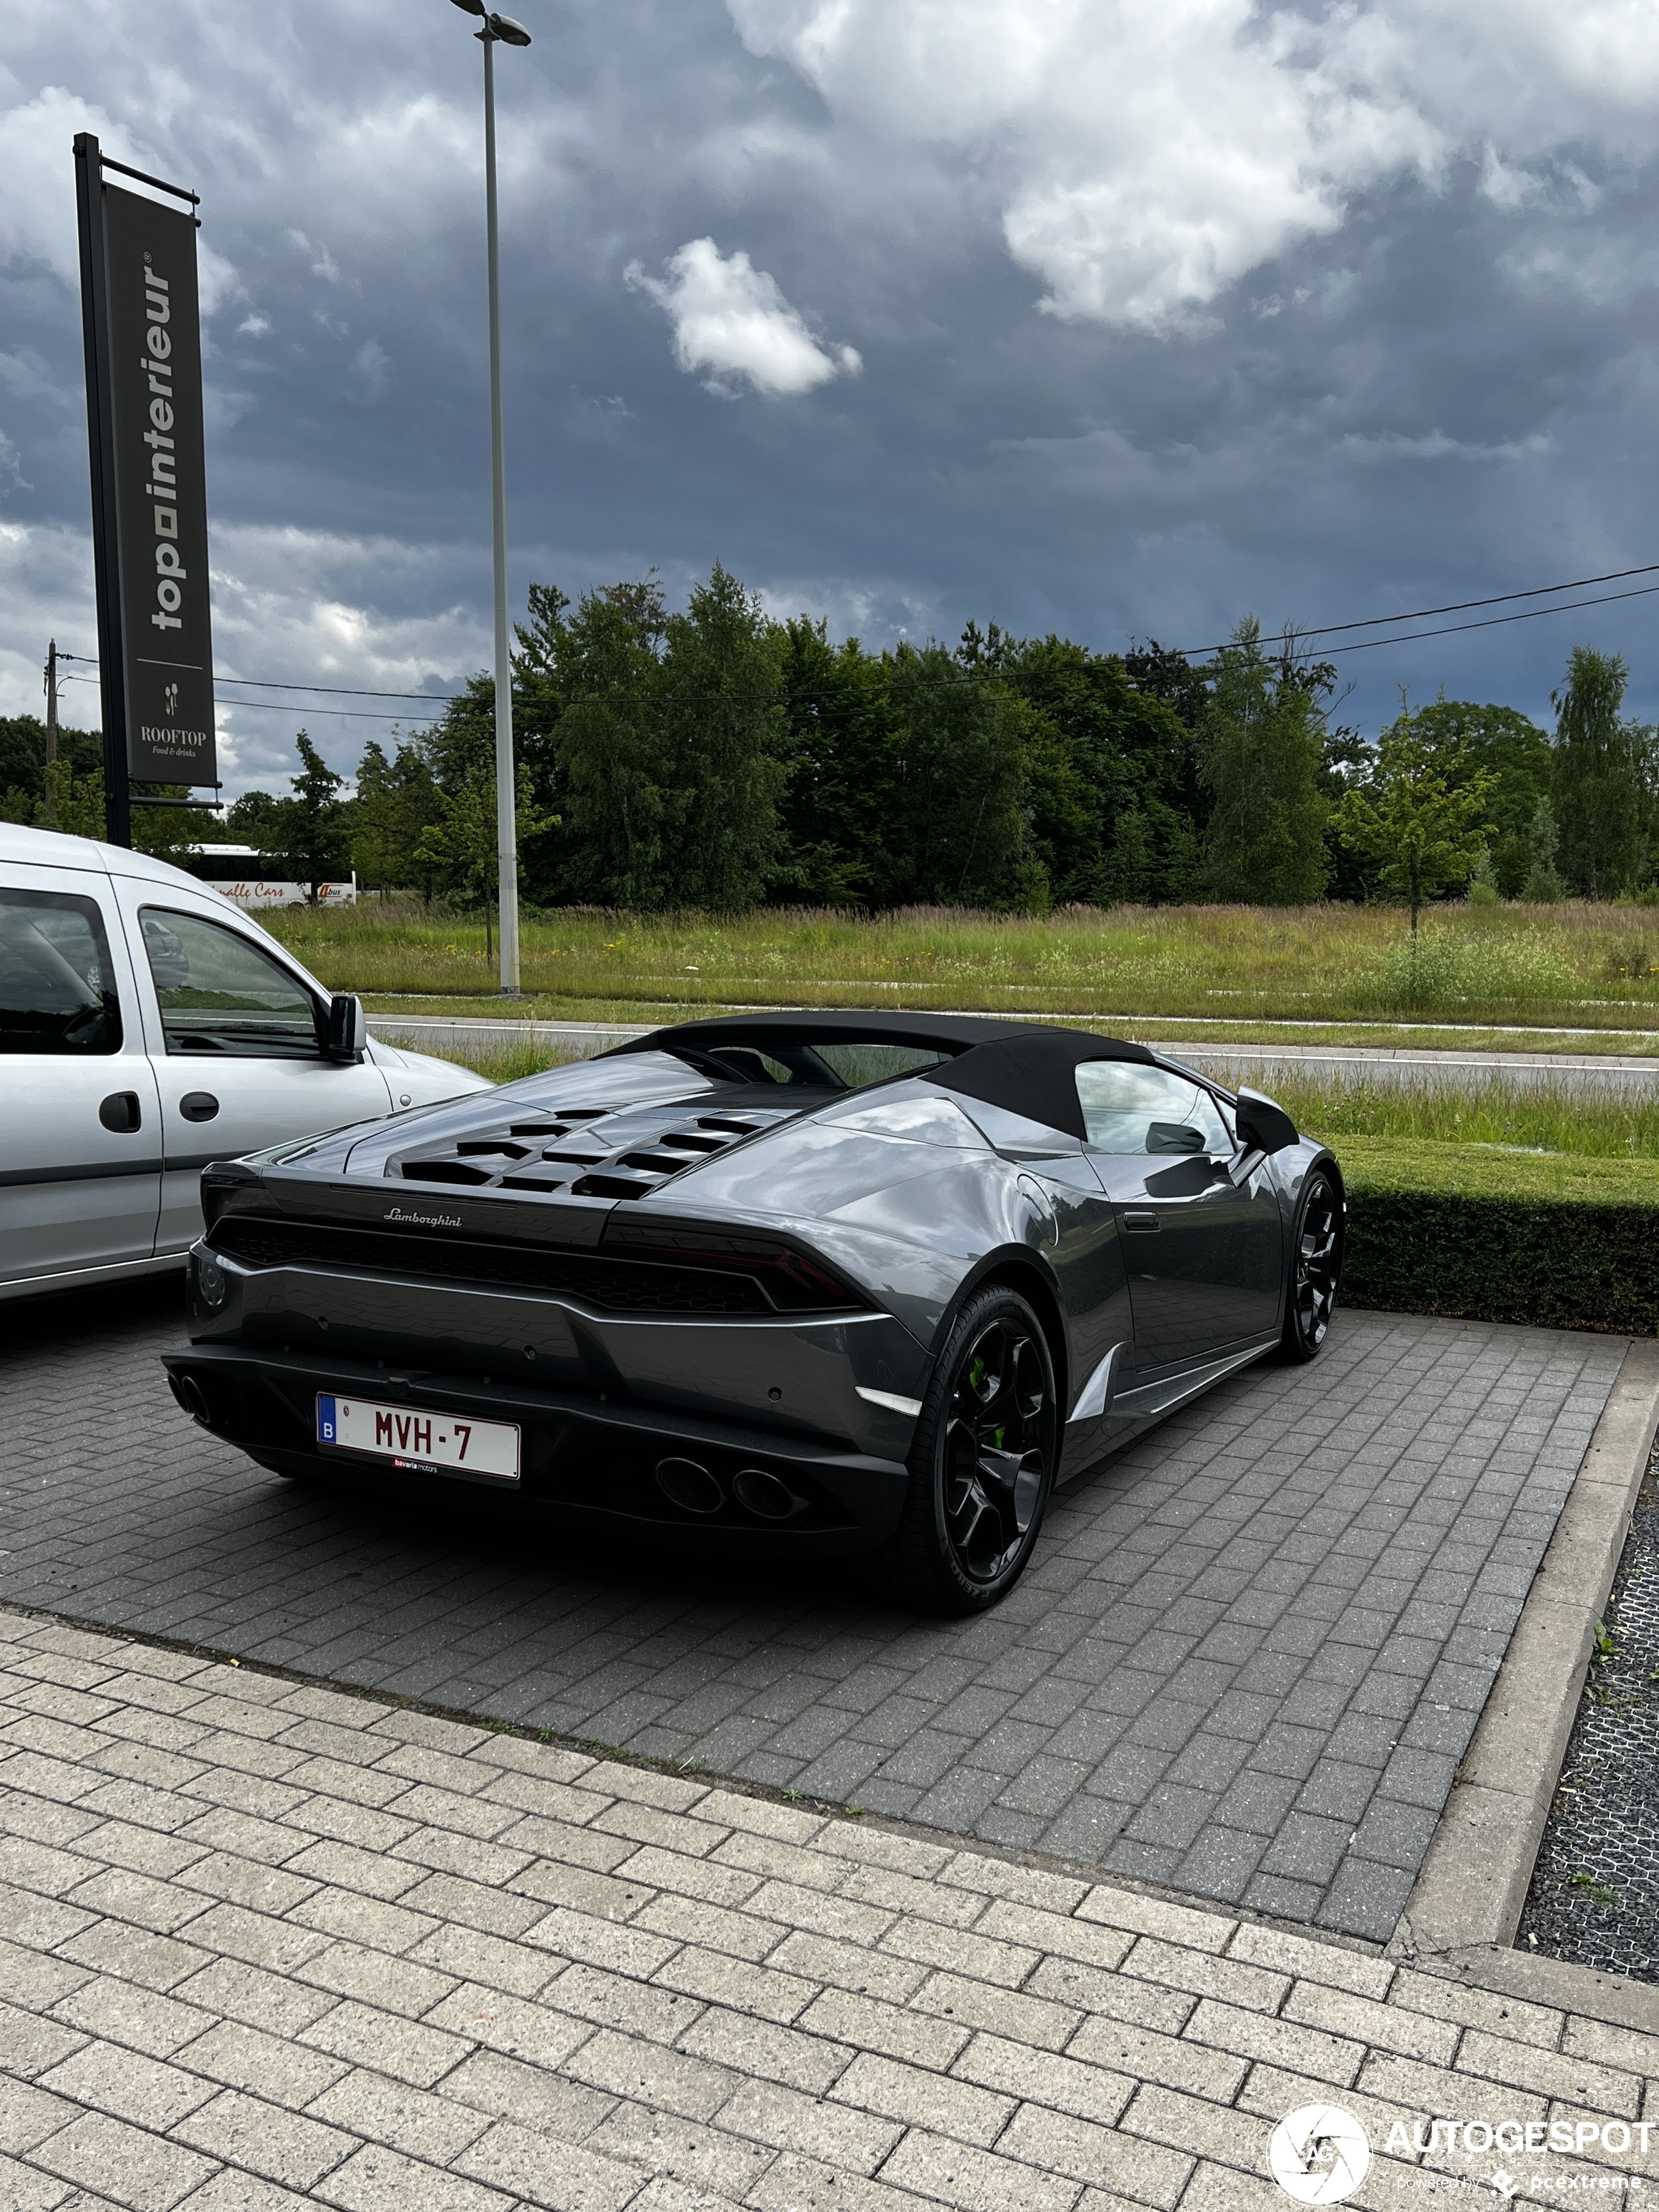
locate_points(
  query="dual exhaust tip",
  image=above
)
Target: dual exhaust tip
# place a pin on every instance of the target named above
(689, 1485)
(192, 1397)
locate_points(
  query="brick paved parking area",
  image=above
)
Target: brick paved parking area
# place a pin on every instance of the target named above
(264, 1945)
(1244, 1665)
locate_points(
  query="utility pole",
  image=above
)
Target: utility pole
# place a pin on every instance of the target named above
(50, 808)
(500, 29)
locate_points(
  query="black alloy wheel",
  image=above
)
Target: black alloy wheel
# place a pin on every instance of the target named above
(1316, 1258)
(982, 1463)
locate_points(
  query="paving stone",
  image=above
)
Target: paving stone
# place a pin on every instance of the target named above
(147, 2091)
(378, 2179)
(31, 2046)
(126, 2012)
(783, 2119)
(578, 2181)
(955, 2173)
(245, 2057)
(121, 2163)
(280, 2145)
(976, 1723)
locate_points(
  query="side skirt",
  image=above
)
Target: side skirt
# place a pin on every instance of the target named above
(1128, 1413)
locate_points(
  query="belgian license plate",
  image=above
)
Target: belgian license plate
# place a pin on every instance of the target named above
(426, 1442)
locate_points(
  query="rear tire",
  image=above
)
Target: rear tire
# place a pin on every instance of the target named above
(1316, 1268)
(982, 1462)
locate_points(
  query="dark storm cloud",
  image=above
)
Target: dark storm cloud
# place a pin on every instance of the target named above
(1428, 379)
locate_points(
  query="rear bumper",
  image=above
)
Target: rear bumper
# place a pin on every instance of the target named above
(592, 1454)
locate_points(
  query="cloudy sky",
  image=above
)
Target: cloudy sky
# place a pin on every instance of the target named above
(1121, 318)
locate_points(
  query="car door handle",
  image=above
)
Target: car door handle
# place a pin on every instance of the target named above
(198, 1105)
(1135, 1218)
(121, 1113)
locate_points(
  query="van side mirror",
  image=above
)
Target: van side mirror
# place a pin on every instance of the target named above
(1262, 1127)
(345, 1029)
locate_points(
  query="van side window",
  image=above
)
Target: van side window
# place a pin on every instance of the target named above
(56, 984)
(220, 993)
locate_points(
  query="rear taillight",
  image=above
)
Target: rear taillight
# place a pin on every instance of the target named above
(794, 1282)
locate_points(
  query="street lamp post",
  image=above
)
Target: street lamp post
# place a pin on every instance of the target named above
(504, 31)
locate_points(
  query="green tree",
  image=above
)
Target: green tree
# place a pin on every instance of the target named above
(463, 842)
(959, 832)
(1112, 789)
(622, 804)
(724, 744)
(1263, 737)
(1600, 781)
(1420, 817)
(395, 800)
(841, 753)
(1516, 753)
(1543, 885)
(308, 837)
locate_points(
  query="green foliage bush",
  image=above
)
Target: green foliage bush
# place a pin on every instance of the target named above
(1438, 970)
(1488, 1235)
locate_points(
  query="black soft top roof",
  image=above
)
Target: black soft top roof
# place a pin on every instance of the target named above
(1025, 1067)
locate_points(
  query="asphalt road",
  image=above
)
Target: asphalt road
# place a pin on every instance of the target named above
(1244, 1664)
(1598, 1073)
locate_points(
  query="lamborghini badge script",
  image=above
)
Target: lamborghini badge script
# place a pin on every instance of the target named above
(425, 1220)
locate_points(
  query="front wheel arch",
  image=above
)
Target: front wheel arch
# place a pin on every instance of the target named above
(1019, 1272)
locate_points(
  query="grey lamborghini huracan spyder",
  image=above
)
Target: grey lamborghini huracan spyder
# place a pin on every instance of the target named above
(830, 1282)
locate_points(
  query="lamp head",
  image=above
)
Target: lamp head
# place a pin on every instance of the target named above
(471, 7)
(503, 27)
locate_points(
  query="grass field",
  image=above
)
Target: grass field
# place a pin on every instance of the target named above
(1491, 1133)
(1226, 968)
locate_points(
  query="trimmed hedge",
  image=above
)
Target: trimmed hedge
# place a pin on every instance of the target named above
(1478, 1233)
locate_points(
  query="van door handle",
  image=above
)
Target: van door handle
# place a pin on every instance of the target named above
(198, 1105)
(1135, 1218)
(121, 1113)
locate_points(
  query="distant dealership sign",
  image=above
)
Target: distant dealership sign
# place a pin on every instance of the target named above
(141, 324)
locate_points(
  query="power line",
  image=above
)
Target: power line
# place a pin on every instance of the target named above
(334, 691)
(437, 700)
(1458, 607)
(1492, 621)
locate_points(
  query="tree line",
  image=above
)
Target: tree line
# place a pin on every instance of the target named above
(720, 758)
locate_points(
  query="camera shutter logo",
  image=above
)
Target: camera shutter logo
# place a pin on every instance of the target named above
(1319, 2155)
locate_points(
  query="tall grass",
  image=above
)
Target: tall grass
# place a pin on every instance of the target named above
(1578, 964)
(1496, 1114)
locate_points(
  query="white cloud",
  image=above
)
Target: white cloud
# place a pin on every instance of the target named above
(1149, 152)
(733, 319)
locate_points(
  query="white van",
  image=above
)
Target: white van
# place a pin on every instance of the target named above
(147, 1026)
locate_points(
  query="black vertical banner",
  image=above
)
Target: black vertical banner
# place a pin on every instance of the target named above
(150, 493)
(161, 488)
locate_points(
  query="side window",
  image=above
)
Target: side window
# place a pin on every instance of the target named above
(220, 993)
(56, 984)
(1127, 1108)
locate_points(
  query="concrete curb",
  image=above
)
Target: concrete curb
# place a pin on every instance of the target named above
(1462, 1915)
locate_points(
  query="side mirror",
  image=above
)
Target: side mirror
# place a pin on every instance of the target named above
(1263, 1126)
(345, 1030)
